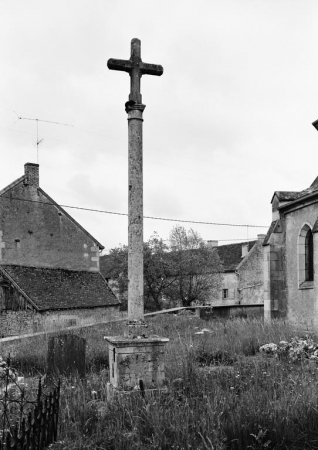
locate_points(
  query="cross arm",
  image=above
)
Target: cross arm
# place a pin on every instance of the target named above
(150, 69)
(120, 64)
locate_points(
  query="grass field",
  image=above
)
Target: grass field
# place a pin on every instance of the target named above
(222, 392)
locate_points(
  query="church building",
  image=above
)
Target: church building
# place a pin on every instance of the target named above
(49, 264)
(291, 257)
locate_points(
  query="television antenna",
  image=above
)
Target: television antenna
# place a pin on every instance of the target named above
(38, 141)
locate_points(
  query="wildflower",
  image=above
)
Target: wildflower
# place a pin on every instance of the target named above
(94, 394)
(268, 348)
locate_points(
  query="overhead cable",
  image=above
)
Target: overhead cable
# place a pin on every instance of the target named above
(126, 214)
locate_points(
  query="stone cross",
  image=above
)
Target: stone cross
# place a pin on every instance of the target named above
(136, 68)
(134, 108)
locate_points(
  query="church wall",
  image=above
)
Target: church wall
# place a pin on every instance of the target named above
(40, 235)
(13, 323)
(302, 303)
(275, 298)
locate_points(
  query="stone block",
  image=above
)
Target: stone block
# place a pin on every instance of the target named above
(135, 360)
(274, 256)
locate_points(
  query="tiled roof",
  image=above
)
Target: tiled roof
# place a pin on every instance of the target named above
(231, 254)
(287, 195)
(51, 289)
(291, 196)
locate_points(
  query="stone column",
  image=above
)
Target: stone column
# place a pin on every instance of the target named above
(135, 216)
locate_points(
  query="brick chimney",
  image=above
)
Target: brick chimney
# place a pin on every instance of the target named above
(244, 250)
(212, 243)
(31, 171)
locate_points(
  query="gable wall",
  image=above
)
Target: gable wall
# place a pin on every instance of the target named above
(302, 303)
(251, 276)
(35, 234)
(229, 282)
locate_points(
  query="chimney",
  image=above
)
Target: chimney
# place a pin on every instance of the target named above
(261, 237)
(212, 243)
(31, 171)
(244, 250)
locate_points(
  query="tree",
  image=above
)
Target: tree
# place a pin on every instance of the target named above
(196, 267)
(185, 271)
(115, 267)
(158, 269)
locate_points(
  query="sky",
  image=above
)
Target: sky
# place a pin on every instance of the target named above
(227, 124)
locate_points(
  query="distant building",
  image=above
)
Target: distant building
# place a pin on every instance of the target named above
(49, 264)
(243, 273)
(291, 257)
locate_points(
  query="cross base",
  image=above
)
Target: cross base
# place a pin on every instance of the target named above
(136, 362)
(113, 392)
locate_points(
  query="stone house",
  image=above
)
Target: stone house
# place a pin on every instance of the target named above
(49, 264)
(290, 258)
(243, 273)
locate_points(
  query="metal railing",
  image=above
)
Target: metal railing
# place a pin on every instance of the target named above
(28, 417)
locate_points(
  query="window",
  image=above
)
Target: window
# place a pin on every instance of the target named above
(225, 293)
(309, 256)
(305, 257)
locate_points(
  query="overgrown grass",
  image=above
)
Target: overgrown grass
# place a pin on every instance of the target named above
(222, 394)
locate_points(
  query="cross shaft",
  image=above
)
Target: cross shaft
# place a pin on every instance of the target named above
(136, 68)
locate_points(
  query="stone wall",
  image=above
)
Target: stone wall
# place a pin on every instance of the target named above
(302, 302)
(230, 282)
(14, 345)
(251, 276)
(35, 233)
(275, 295)
(14, 323)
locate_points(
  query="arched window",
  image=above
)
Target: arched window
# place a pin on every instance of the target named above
(305, 256)
(309, 256)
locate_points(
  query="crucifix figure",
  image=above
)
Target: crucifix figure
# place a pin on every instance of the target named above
(134, 108)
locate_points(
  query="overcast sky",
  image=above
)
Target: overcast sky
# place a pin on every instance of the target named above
(227, 124)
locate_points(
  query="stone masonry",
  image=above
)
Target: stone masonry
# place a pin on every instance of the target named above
(35, 231)
(135, 360)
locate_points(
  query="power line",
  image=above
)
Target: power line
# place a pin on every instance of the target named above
(125, 214)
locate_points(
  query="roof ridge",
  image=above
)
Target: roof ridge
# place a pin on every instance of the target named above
(11, 185)
(47, 268)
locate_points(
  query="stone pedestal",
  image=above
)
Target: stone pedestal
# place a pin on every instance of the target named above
(132, 361)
